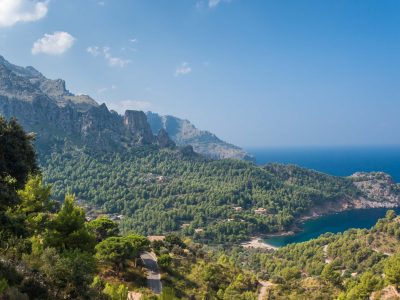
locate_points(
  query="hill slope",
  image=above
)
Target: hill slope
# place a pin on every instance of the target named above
(356, 264)
(214, 201)
(116, 164)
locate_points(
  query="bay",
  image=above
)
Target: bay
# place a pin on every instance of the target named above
(338, 161)
(334, 223)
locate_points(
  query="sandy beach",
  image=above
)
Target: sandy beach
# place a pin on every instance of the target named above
(257, 243)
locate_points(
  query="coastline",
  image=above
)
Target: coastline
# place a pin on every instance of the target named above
(258, 243)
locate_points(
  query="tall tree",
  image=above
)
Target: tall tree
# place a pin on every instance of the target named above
(17, 155)
(68, 229)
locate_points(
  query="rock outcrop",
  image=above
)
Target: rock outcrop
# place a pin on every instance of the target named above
(378, 190)
(163, 139)
(49, 109)
(138, 127)
(184, 133)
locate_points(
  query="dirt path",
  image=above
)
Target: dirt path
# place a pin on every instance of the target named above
(264, 289)
(327, 259)
(153, 273)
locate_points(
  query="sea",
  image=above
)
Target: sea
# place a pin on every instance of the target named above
(337, 161)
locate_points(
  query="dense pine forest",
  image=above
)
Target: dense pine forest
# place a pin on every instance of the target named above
(215, 201)
(49, 249)
(356, 264)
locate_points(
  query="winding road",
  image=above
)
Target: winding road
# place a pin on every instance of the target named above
(153, 272)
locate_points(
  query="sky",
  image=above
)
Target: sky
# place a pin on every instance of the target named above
(257, 73)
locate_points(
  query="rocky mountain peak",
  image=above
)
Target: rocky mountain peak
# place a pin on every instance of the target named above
(137, 125)
(47, 107)
(184, 133)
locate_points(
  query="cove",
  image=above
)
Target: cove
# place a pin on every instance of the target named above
(339, 222)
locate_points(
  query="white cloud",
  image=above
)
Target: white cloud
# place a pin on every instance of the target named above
(94, 50)
(124, 105)
(14, 11)
(53, 44)
(183, 69)
(113, 61)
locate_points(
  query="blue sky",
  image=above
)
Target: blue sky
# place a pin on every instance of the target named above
(255, 72)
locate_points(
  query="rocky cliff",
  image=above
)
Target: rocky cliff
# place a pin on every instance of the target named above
(361, 190)
(378, 190)
(47, 108)
(183, 133)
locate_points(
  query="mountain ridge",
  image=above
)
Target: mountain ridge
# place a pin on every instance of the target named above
(183, 132)
(40, 102)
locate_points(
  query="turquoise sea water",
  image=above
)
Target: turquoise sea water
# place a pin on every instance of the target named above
(363, 218)
(340, 162)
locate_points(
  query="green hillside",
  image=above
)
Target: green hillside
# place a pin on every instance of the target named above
(160, 191)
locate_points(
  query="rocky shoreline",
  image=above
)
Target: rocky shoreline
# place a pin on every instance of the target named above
(377, 190)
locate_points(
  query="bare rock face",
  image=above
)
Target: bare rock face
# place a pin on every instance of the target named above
(47, 108)
(184, 133)
(163, 139)
(378, 188)
(137, 125)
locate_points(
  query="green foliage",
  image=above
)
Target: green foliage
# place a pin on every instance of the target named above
(330, 275)
(116, 292)
(196, 192)
(199, 273)
(168, 294)
(363, 289)
(347, 265)
(174, 240)
(35, 204)
(164, 261)
(68, 230)
(17, 161)
(71, 271)
(17, 156)
(116, 250)
(138, 242)
(392, 270)
(3, 285)
(103, 228)
(290, 273)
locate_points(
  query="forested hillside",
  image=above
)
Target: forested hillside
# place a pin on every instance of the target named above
(160, 191)
(48, 250)
(356, 264)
